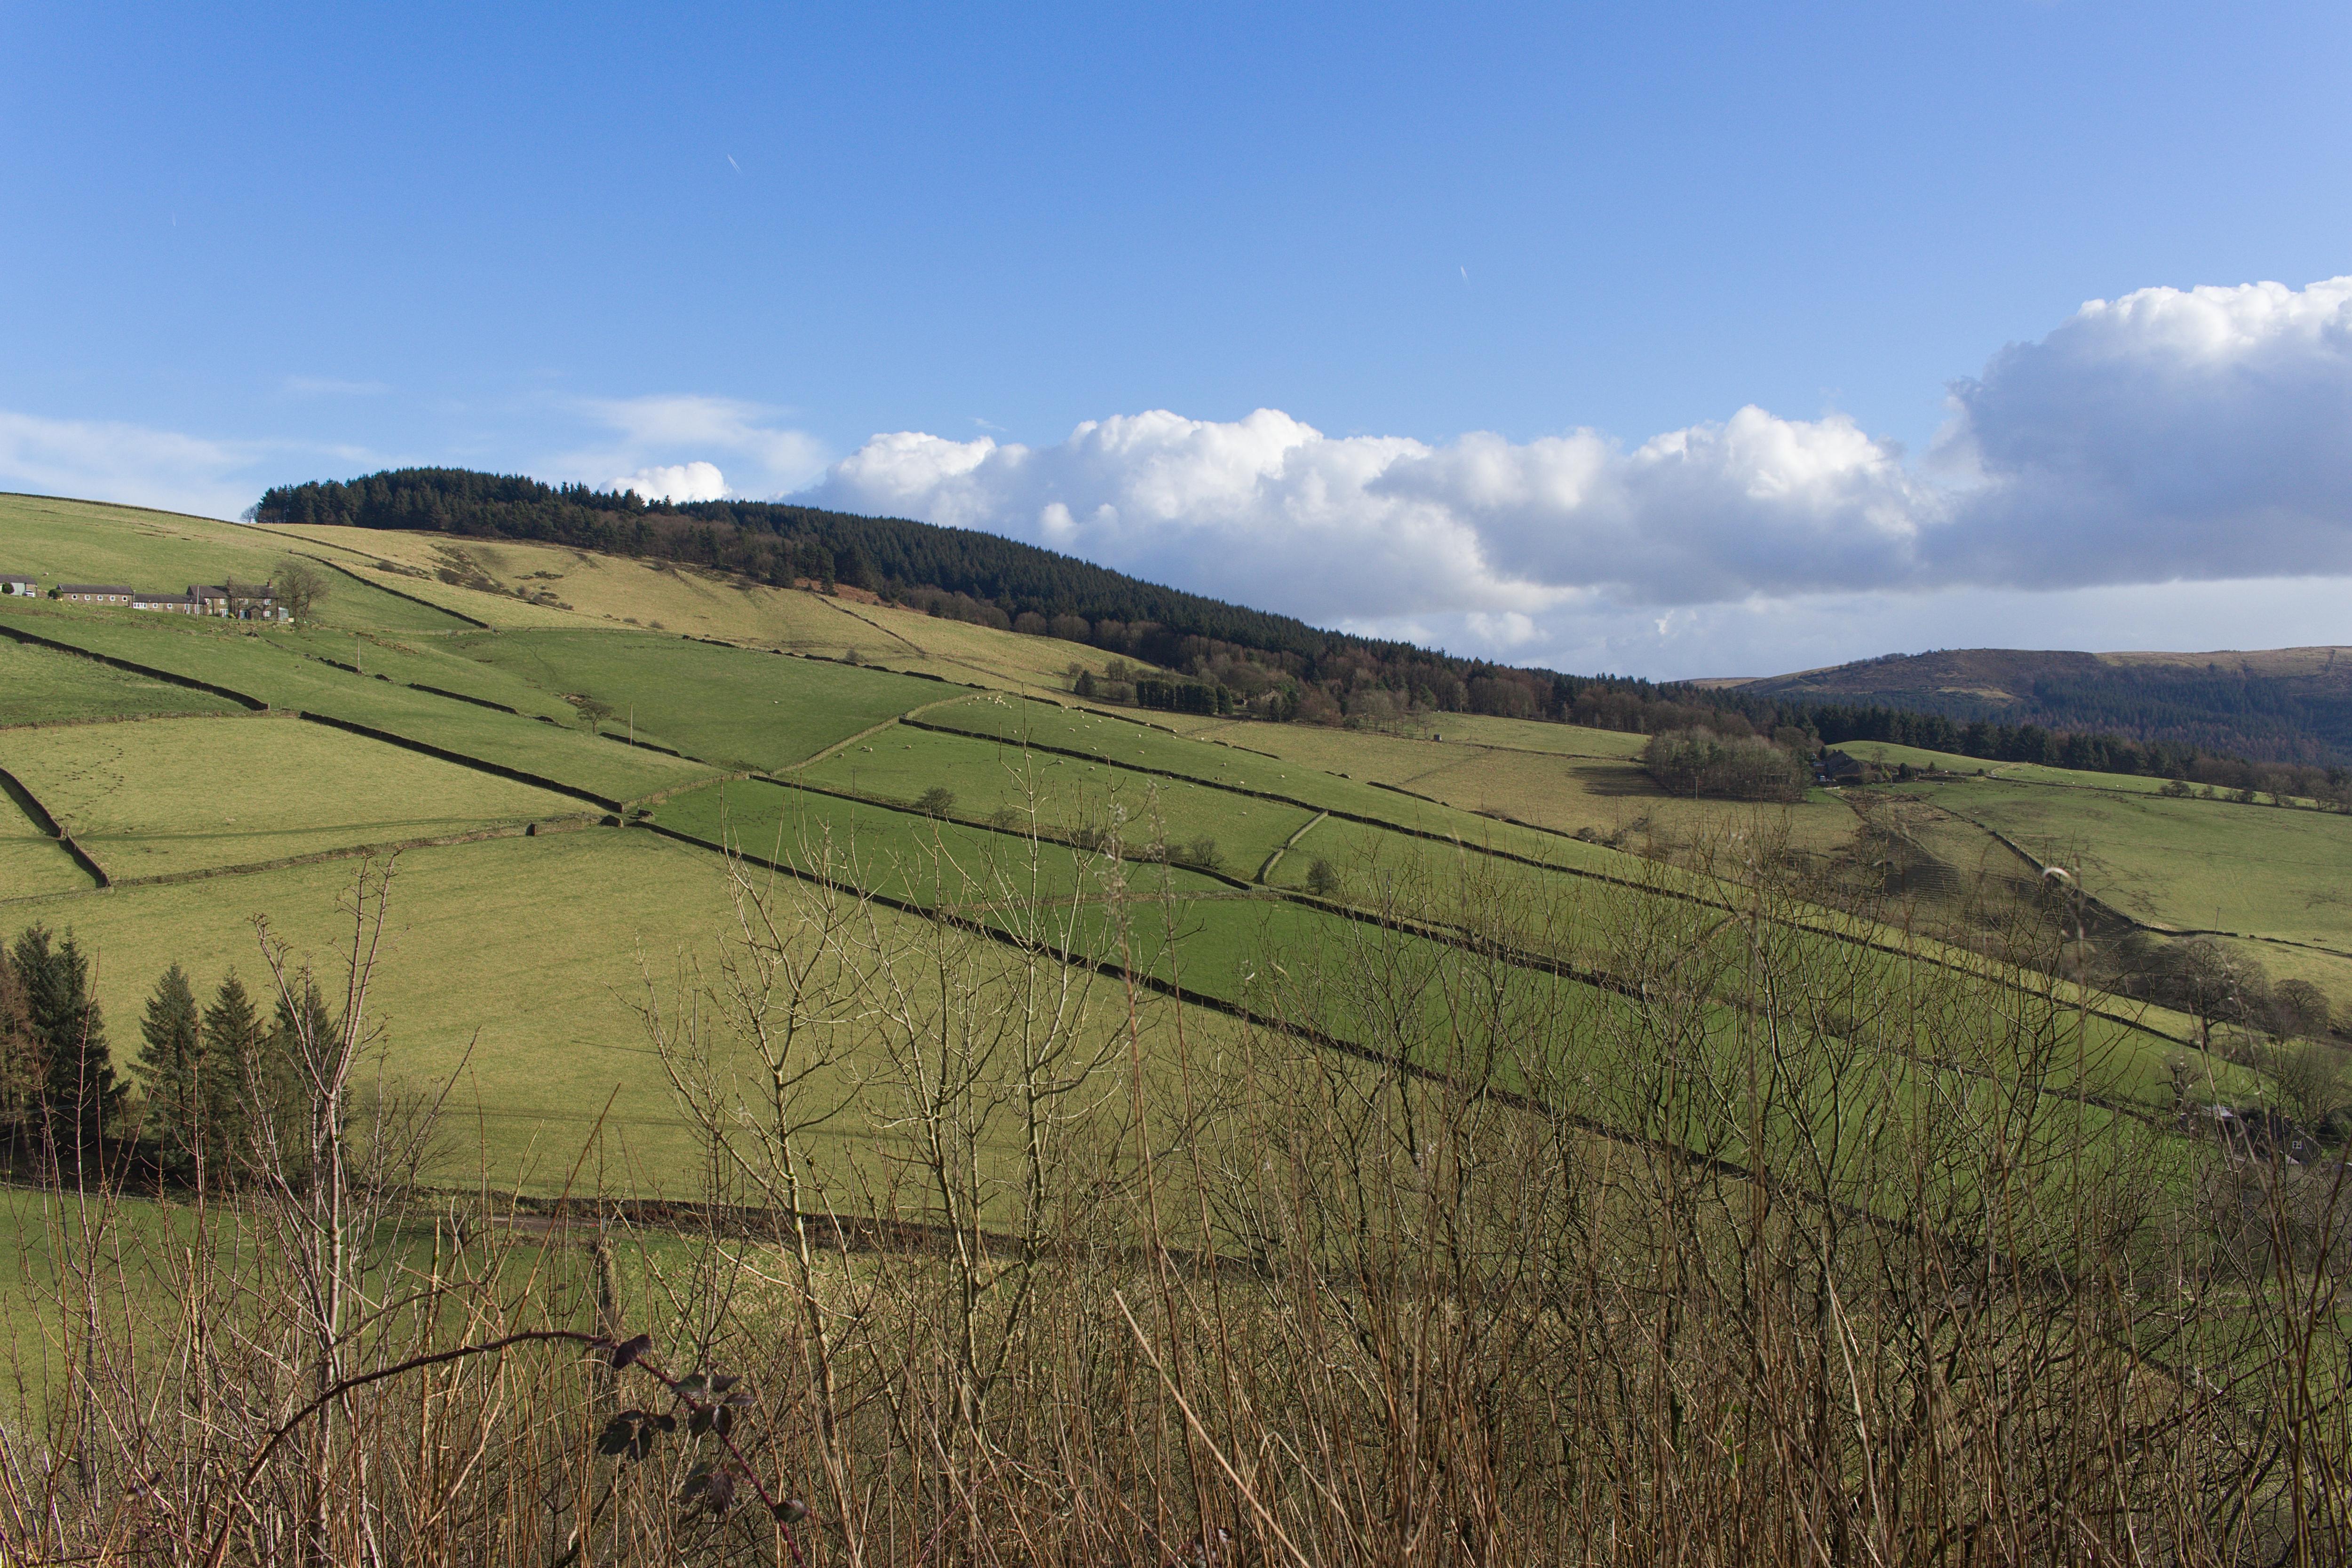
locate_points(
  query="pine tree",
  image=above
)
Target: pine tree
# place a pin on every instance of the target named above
(79, 1091)
(227, 1077)
(173, 1033)
(23, 1067)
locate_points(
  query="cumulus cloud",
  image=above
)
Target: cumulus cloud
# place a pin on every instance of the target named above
(1377, 526)
(2192, 434)
(681, 434)
(2201, 435)
(677, 482)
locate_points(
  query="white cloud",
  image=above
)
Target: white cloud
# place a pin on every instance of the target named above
(2192, 434)
(677, 482)
(2202, 435)
(1270, 511)
(659, 434)
(132, 464)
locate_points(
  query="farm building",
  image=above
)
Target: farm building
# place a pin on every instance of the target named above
(176, 604)
(94, 594)
(14, 587)
(236, 601)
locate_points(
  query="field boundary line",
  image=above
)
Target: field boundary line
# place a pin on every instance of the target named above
(395, 592)
(462, 760)
(21, 634)
(461, 697)
(1175, 990)
(1446, 936)
(895, 719)
(39, 816)
(126, 718)
(1470, 847)
(1030, 832)
(531, 829)
(1287, 845)
(2130, 920)
(918, 649)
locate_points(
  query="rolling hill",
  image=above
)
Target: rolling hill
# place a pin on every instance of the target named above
(2285, 705)
(747, 949)
(495, 711)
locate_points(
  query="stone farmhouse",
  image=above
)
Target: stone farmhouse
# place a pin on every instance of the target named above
(230, 601)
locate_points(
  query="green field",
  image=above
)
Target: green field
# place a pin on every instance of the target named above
(1326, 747)
(725, 705)
(1888, 755)
(507, 963)
(1139, 746)
(262, 665)
(2183, 864)
(540, 943)
(31, 862)
(987, 777)
(42, 686)
(174, 796)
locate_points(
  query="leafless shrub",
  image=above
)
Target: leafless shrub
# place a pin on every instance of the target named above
(1734, 1241)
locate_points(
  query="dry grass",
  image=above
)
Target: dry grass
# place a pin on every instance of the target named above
(583, 589)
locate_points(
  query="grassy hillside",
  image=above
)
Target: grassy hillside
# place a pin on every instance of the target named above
(176, 795)
(488, 579)
(32, 863)
(1223, 825)
(2184, 864)
(43, 686)
(271, 668)
(84, 542)
(726, 705)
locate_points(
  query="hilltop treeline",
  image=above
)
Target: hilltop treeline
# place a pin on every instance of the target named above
(2282, 715)
(1268, 666)
(1835, 723)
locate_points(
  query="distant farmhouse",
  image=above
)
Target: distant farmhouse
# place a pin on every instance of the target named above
(229, 600)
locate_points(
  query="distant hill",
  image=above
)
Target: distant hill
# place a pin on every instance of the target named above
(2287, 705)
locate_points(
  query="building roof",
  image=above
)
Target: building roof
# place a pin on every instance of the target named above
(15, 577)
(94, 588)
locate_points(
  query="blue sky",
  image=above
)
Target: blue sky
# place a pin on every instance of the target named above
(267, 243)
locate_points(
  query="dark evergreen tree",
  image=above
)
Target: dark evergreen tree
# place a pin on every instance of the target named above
(23, 1067)
(227, 1080)
(78, 1093)
(172, 1032)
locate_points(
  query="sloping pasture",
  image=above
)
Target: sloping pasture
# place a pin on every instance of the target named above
(166, 798)
(259, 666)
